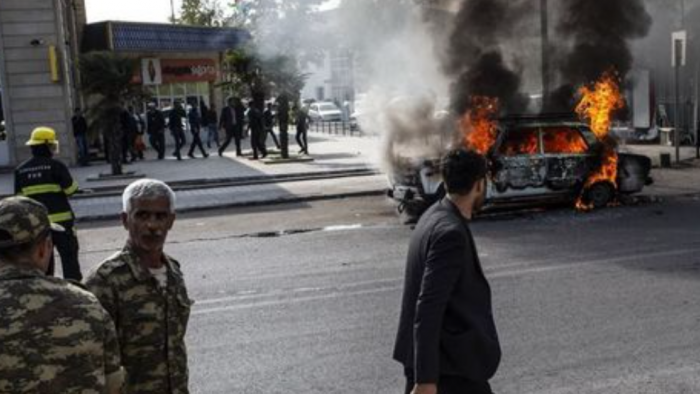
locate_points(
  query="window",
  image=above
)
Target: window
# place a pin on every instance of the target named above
(523, 141)
(563, 140)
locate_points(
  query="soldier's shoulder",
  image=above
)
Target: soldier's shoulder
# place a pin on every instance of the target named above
(118, 262)
(68, 290)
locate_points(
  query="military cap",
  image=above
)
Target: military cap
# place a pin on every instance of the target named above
(23, 220)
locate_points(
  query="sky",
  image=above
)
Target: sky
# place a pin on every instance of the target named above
(140, 10)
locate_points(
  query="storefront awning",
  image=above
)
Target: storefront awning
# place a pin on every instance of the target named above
(150, 37)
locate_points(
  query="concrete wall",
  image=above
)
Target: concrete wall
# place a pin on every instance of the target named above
(32, 98)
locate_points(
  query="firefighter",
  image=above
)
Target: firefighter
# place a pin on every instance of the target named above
(48, 181)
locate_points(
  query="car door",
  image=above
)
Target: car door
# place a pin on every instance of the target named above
(519, 165)
(565, 151)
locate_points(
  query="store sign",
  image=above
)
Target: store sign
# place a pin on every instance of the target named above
(160, 71)
(151, 72)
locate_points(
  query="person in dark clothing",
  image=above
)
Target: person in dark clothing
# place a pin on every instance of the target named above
(175, 124)
(48, 181)
(195, 129)
(156, 129)
(302, 123)
(232, 125)
(447, 339)
(269, 121)
(283, 121)
(212, 126)
(257, 131)
(129, 132)
(80, 132)
(139, 126)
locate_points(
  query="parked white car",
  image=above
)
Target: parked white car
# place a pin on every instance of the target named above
(325, 111)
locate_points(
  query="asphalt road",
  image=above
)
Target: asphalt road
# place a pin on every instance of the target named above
(606, 302)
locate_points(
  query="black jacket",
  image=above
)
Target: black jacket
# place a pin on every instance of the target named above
(446, 325)
(49, 182)
(228, 118)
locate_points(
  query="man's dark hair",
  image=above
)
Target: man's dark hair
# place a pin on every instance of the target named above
(42, 150)
(462, 169)
(16, 253)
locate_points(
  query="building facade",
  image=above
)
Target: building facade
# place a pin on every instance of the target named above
(38, 44)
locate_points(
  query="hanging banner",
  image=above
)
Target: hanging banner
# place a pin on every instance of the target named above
(151, 71)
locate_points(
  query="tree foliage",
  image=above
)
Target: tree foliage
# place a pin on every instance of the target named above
(201, 13)
(106, 78)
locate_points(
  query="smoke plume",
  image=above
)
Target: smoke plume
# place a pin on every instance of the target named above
(597, 36)
(475, 56)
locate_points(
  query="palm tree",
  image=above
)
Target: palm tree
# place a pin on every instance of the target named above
(107, 77)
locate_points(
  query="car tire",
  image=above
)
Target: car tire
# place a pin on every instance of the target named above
(599, 195)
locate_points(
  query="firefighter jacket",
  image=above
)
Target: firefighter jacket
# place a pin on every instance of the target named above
(49, 182)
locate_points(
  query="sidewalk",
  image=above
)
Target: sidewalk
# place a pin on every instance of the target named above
(654, 152)
(330, 154)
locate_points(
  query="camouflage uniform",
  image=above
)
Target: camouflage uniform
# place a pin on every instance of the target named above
(54, 336)
(151, 321)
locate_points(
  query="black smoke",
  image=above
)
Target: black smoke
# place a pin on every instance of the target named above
(475, 58)
(596, 34)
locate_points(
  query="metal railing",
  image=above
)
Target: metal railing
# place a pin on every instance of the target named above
(335, 127)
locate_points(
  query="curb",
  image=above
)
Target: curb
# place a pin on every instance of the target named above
(116, 190)
(254, 203)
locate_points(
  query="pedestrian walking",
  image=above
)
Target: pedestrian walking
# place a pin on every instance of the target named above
(302, 123)
(48, 181)
(130, 132)
(195, 128)
(55, 337)
(269, 121)
(144, 291)
(447, 339)
(176, 126)
(212, 126)
(232, 125)
(257, 131)
(155, 122)
(80, 132)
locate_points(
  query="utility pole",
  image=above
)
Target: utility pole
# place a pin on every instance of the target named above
(172, 11)
(544, 17)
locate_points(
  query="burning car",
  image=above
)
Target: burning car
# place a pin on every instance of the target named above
(536, 160)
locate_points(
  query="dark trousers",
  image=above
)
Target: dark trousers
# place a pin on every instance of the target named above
(232, 134)
(212, 136)
(302, 141)
(455, 385)
(257, 138)
(67, 245)
(157, 141)
(180, 141)
(128, 148)
(83, 152)
(196, 142)
(274, 137)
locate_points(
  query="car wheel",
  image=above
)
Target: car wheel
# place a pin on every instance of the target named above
(599, 195)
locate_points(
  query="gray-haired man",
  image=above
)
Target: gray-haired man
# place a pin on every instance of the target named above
(144, 291)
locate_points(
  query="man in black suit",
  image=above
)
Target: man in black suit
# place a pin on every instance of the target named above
(231, 123)
(447, 339)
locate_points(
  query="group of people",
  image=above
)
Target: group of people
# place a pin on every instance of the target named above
(122, 330)
(257, 120)
(124, 327)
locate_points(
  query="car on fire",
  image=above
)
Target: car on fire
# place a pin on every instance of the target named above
(534, 160)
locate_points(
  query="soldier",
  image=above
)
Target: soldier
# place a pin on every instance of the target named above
(49, 182)
(55, 337)
(144, 291)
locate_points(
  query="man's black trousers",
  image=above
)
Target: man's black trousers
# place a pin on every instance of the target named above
(66, 242)
(455, 385)
(235, 134)
(157, 140)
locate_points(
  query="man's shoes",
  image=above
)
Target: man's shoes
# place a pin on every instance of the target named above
(206, 155)
(190, 155)
(221, 153)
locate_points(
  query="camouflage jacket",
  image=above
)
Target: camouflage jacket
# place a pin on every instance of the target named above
(151, 321)
(54, 336)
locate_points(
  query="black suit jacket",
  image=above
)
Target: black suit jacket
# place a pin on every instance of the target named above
(446, 325)
(227, 120)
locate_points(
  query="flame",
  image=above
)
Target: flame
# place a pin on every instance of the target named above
(478, 124)
(598, 103)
